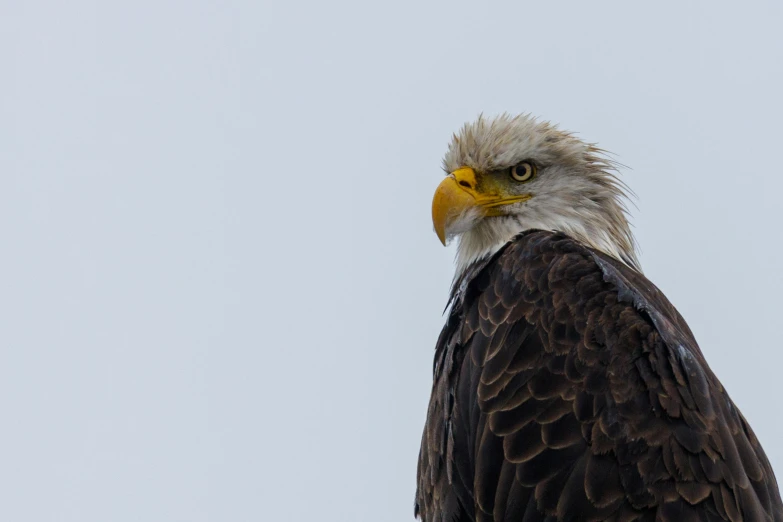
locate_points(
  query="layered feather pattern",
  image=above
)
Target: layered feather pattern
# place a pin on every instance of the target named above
(567, 388)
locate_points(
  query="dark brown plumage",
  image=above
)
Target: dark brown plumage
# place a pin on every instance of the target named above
(568, 388)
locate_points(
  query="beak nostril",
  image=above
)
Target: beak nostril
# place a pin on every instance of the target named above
(465, 184)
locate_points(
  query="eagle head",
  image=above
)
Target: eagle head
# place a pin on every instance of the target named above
(510, 174)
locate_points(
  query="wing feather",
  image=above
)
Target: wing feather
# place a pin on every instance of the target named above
(567, 387)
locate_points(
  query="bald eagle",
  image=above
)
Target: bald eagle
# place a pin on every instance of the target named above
(566, 387)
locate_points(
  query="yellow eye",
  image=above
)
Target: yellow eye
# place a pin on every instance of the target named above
(523, 172)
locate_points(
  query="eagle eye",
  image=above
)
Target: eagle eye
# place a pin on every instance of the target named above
(523, 172)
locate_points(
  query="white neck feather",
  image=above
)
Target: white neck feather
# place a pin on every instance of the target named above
(489, 235)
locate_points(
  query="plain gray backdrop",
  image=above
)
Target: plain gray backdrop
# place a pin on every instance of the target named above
(219, 285)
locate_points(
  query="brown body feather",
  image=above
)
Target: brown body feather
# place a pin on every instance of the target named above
(568, 388)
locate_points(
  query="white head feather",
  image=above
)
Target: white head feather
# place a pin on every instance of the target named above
(576, 190)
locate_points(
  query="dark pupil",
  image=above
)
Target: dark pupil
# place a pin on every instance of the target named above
(521, 170)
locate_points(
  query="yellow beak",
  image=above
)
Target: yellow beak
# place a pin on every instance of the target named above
(458, 194)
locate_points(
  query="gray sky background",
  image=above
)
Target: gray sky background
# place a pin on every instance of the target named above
(219, 285)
